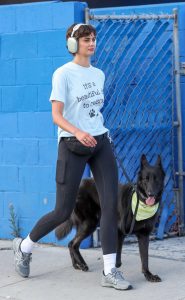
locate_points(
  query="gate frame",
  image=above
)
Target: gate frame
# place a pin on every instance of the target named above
(178, 192)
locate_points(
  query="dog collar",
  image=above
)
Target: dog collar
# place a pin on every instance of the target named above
(144, 211)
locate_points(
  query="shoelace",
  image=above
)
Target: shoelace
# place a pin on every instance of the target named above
(26, 258)
(117, 275)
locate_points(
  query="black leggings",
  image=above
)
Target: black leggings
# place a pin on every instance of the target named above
(69, 172)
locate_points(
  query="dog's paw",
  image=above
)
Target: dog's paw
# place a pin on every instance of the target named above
(156, 278)
(85, 268)
(82, 267)
(152, 278)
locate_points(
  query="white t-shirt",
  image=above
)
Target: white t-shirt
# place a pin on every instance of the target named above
(81, 91)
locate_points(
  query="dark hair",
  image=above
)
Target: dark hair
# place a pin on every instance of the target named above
(83, 30)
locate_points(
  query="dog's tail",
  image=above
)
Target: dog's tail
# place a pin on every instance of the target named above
(63, 229)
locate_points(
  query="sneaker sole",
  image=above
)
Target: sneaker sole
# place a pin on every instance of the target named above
(14, 246)
(115, 287)
(22, 275)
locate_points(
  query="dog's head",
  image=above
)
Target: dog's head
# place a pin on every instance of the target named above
(150, 182)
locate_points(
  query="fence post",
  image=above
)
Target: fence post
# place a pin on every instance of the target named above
(87, 15)
(179, 121)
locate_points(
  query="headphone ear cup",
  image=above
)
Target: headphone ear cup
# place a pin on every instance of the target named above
(72, 45)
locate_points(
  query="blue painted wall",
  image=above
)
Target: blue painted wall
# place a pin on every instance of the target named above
(32, 47)
(32, 43)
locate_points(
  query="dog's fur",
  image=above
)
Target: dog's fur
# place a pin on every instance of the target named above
(86, 215)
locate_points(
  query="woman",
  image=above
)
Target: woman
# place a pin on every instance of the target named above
(76, 98)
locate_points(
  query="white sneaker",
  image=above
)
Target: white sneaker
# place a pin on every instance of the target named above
(21, 259)
(116, 280)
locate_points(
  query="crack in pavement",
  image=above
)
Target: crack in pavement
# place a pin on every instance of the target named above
(13, 283)
(8, 298)
(33, 278)
(158, 256)
(5, 248)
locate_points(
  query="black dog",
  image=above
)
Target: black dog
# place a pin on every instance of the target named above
(86, 214)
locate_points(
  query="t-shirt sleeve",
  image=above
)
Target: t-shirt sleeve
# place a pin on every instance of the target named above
(103, 77)
(59, 87)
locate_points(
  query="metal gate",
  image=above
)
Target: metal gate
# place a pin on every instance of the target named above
(140, 59)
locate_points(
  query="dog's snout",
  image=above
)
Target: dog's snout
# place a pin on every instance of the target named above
(151, 194)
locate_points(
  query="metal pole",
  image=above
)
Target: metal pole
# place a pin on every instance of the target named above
(87, 15)
(132, 17)
(179, 120)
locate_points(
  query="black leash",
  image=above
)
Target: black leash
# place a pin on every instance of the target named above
(133, 186)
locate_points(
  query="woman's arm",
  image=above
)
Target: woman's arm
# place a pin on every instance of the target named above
(57, 114)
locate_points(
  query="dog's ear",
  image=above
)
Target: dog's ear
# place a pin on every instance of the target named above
(144, 161)
(159, 164)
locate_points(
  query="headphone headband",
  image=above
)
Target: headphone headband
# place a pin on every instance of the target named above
(76, 27)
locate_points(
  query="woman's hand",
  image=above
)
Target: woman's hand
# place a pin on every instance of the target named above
(57, 112)
(85, 138)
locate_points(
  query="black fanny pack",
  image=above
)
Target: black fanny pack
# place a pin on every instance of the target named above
(76, 147)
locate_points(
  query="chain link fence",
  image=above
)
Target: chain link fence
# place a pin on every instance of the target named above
(136, 55)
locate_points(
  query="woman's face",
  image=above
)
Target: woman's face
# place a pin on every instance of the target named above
(87, 45)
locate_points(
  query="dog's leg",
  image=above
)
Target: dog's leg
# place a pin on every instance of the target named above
(119, 248)
(83, 231)
(143, 240)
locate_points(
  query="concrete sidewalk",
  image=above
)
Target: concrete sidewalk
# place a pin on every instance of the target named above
(53, 278)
